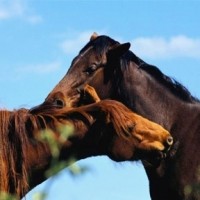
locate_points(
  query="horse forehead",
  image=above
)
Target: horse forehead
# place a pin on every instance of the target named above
(83, 53)
(82, 56)
(89, 56)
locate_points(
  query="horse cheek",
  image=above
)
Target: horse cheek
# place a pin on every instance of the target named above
(102, 87)
(122, 150)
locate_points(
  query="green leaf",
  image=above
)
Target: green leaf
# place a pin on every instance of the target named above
(6, 196)
(39, 196)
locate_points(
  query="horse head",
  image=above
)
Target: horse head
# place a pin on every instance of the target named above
(95, 65)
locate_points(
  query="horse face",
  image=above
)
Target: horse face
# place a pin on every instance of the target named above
(132, 136)
(95, 66)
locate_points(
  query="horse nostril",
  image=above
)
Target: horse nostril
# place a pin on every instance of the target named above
(170, 140)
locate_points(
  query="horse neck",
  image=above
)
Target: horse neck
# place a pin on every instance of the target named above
(40, 162)
(180, 117)
(147, 97)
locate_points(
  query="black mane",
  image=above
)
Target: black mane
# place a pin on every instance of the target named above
(174, 86)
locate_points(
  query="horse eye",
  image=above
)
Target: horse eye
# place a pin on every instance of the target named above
(60, 103)
(91, 69)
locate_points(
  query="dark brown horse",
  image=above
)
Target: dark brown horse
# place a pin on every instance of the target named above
(103, 128)
(117, 73)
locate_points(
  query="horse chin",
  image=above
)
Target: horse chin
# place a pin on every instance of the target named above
(153, 158)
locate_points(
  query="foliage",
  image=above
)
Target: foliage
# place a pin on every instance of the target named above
(55, 144)
(193, 188)
(6, 196)
(56, 166)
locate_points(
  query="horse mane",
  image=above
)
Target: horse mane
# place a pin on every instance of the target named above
(51, 115)
(17, 130)
(85, 115)
(174, 86)
(13, 144)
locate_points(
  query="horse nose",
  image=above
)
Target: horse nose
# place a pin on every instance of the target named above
(169, 141)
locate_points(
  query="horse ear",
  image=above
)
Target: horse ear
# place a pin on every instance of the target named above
(119, 49)
(113, 58)
(93, 36)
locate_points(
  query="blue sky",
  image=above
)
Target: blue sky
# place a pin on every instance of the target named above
(38, 40)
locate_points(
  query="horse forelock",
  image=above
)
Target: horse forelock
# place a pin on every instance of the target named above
(101, 44)
(51, 115)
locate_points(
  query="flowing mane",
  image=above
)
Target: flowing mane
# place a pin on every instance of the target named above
(13, 144)
(174, 86)
(17, 129)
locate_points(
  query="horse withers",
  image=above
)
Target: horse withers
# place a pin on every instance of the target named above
(117, 73)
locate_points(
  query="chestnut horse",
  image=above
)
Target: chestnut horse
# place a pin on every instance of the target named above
(103, 128)
(117, 73)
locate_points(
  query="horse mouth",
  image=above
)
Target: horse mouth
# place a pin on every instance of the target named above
(153, 159)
